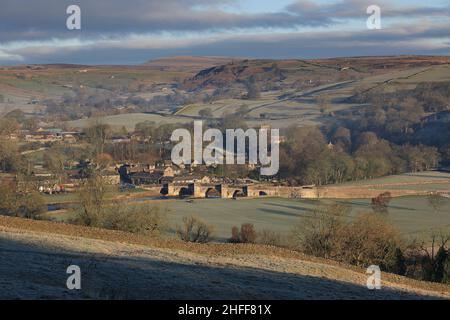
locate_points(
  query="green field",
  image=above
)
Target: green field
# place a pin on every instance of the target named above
(421, 181)
(128, 120)
(413, 216)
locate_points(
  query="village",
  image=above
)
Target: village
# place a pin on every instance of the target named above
(53, 174)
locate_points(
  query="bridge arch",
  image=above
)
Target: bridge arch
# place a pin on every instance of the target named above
(262, 193)
(184, 192)
(212, 193)
(238, 194)
(164, 190)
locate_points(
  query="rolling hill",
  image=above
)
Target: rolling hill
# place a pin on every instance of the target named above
(118, 265)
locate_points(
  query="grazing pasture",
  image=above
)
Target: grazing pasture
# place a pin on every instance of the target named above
(412, 215)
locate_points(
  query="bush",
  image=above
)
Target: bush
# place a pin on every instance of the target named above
(430, 260)
(92, 198)
(8, 200)
(396, 263)
(134, 218)
(380, 203)
(320, 234)
(143, 219)
(195, 230)
(271, 238)
(368, 240)
(28, 205)
(246, 234)
(31, 205)
(235, 236)
(446, 278)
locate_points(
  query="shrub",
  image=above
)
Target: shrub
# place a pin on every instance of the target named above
(28, 205)
(446, 278)
(396, 263)
(134, 218)
(235, 236)
(143, 219)
(195, 230)
(432, 259)
(319, 234)
(270, 238)
(92, 195)
(8, 200)
(246, 234)
(381, 202)
(368, 240)
(31, 205)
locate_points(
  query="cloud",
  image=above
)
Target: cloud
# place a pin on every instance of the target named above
(402, 39)
(43, 19)
(40, 19)
(128, 30)
(7, 57)
(356, 9)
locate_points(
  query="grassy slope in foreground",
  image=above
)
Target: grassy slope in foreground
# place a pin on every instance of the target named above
(120, 265)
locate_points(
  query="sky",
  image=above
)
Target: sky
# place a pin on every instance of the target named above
(135, 31)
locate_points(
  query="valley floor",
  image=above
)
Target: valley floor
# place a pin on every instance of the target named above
(35, 255)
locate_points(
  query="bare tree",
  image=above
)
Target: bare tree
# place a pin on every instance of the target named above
(92, 196)
(195, 230)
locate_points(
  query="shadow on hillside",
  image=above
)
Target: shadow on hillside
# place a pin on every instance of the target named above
(36, 272)
(294, 207)
(369, 205)
(283, 213)
(425, 176)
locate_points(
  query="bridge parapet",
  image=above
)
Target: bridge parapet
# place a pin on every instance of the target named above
(228, 191)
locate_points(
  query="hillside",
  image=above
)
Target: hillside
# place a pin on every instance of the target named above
(20, 85)
(35, 255)
(291, 73)
(188, 62)
(180, 87)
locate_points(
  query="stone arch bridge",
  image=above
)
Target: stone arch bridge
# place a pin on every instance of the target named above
(226, 191)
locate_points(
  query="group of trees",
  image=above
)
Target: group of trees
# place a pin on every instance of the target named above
(426, 96)
(10, 157)
(97, 135)
(309, 156)
(96, 210)
(17, 204)
(370, 239)
(418, 116)
(15, 120)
